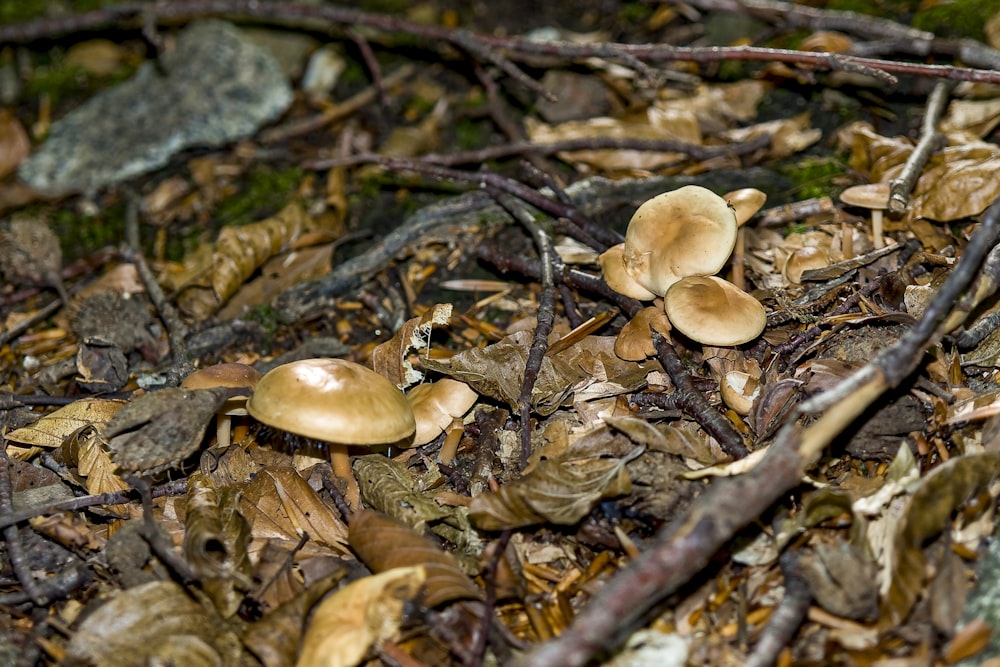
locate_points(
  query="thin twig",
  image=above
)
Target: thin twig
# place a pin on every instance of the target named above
(686, 546)
(786, 619)
(930, 141)
(694, 403)
(12, 535)
(489, 578)
(544, 318)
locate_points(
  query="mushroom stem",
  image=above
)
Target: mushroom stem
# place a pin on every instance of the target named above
(223, 430)
(452, 439)
(877, 241)
(341, 462)
(846, 241)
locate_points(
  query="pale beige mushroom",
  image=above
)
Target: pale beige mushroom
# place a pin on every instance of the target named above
(739, 391)
(337, 403)
(713, 311)
(612, 263)
(874, 197)
(232, 375)
(686, 232)
(438, 407)
(745, 202)
(806, 258)
(635, 340)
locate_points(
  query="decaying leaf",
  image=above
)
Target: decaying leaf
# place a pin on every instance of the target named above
(278, 503)
(215, 544)
(389, 487)
(558, 491)
(939, 494)
(93, 463)
(30, 254)
(680, 438)
(154, 623)
(158, 430)
(841, 578)
(238, 252)
(383, 543)
(52, 430)
(358, 616)
(391, 358)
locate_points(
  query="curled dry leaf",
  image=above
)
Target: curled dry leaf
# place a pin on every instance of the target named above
(238, 252)
(383, 543)
(278, 503)
(389, 487)
(215, 544)
(158, 430)
(358, 616)
(557, 491)
(86, 450)
(937, 496)
(154, 623)
(391, 358)
(52, 430)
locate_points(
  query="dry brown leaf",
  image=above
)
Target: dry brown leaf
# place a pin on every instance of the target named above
(278, 503)
(154, 623)
(557, 491)
(391, 358)
(237, 254)
(939, 494)
(358, 616)
(93, 463)
(387, 486)
(788, 135)
(52, 430)
(383, 543)
(215, 544)
(278, 274)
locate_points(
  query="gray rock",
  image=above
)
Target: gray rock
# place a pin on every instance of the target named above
(215, 87)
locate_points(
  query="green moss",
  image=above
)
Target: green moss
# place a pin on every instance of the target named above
(472, 133)
(814, 177)
(80, 235)
(959, 18)
(269, 320)
(265, 191)
(635, 13)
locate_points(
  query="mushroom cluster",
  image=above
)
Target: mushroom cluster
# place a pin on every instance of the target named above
(674, 244)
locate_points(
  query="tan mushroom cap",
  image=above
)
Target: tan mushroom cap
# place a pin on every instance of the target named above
(804, 259)
(635, 341)
(686, 232)
(612, 263)
(713, 311)
(435, 405)
(873, 196)
(332, 400)
(745, 202)
(739, 391)
(225, 375)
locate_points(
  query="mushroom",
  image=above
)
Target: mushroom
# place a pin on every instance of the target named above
(804, 259)
(686, 232)
(635, 341)
(713, 311)
(875, 197)
(233, 375)
(739, 390)
(337, 403)
(745, 202)
(437, 407)
(612, 263)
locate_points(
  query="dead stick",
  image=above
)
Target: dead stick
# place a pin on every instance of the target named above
(686, 546)
(930, 141)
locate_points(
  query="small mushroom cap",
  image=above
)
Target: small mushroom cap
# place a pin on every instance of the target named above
(225, 375)
(332, 400)
(635, 341)
(690, 231)
(613, 268)
(713, 311)
(435, 405)
(739, 390)
(804, 259)
(874, 196)
(745, 202)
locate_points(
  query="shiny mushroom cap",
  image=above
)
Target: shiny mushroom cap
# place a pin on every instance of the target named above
(745, 202)
(690, 231)
(873, 196)
(435, 405)
(713, 311)
(806, 258)
(332, 400)
(225, 375)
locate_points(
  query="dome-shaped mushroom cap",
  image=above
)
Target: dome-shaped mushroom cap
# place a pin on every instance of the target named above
(436, 404)
(690, 231)
(745, 203)
(222, 375)
(613, 269)
(713, 311)
(874, 196)
(332, 400)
